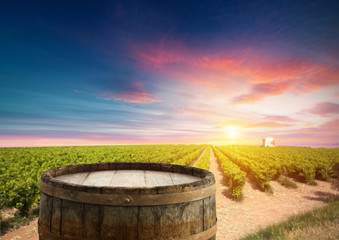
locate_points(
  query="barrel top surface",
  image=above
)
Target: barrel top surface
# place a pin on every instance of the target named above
(128, 178)
(127, 184)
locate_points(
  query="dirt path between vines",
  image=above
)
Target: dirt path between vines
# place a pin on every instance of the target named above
(238, 219)
(260, 209)
(201, 155)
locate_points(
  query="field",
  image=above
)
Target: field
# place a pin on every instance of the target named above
(264, 164)
(21, 168)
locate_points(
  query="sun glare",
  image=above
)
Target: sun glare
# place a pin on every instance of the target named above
(232, 131)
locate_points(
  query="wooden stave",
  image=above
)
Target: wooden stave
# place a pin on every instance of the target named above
(68, 220)
(47, 180)
(127, 200)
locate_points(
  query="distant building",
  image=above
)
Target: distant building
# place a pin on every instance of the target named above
(268, 142)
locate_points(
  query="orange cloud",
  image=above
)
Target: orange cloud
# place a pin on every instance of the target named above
(325, 76)
(275, 122)
(282, 70)
(268, 125)
(226, 68)
(260, 91)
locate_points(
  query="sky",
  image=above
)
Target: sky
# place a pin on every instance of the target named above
(169, 72)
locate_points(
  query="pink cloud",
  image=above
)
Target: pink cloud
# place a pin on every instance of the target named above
(307, 141)
(221, 69)
(244, 122)
(92, 140)
(132, 97)
(325, 109)
(282, 70)
(276, 118)
(135, 93)
(328, 129)
(325, 76)
(37, 141)
(260, 91)
(332, 125)
(197, 112)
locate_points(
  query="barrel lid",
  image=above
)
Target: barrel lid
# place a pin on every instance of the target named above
(107, 182)
(128, 178)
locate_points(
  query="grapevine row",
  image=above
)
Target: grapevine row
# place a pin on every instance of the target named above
(307, 163)
(188, 159)
(21, 168)
(204, 162)
(261, 173)
(235, 177)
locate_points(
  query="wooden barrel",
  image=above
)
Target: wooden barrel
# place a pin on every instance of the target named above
(127, 201)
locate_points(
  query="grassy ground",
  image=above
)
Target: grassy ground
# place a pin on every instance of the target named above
(18, 220)
(287, 183)
(322, 223)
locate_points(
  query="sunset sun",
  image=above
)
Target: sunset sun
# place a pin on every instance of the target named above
(232, 131)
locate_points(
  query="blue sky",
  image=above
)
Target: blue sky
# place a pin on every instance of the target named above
(145, 72)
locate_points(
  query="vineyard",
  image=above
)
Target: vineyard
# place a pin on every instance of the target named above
(21, 168)
(262, 165)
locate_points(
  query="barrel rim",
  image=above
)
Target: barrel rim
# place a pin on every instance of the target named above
(207, 178)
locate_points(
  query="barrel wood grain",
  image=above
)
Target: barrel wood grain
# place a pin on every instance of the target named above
(92, 221)
(183, 178)
(67, 219)
(136, 178)
(153, 178)
(99, 178)
(210, 213)
(72, 215)
(128, 178)
(119, 223)
(45, 212)
(76, 178)
(56, 216)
